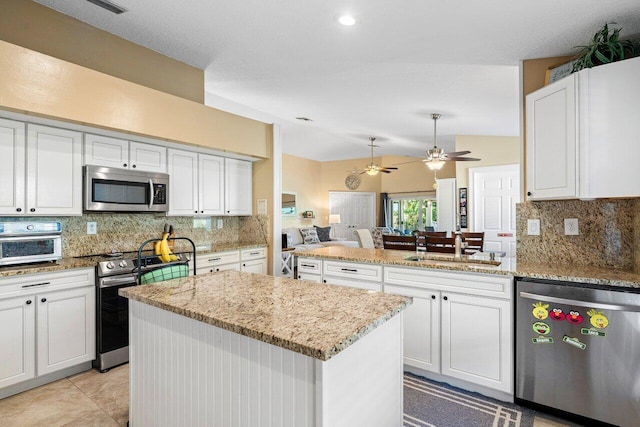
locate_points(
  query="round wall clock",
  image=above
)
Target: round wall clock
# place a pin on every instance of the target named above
(352, 181)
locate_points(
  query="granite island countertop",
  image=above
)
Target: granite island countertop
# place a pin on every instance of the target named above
(69, 263)
(313, 319)
(481, 263)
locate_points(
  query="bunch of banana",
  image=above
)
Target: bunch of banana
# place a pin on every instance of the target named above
(162, 249)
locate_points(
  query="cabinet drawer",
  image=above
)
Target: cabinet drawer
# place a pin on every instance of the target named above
(44, 282)
(309, 265)
(310, 277)
(470, 283)
(370, 286)
(255, 253)
(218, 258)
(368, 272)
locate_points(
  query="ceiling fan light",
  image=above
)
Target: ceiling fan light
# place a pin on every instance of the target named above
(372, 172)
(435, 165)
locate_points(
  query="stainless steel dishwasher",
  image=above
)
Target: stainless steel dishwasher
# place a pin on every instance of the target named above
(578, 349)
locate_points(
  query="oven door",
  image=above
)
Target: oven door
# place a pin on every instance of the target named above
(113, 313)
(19, 250)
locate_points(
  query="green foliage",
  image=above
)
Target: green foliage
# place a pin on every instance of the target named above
(605, 47)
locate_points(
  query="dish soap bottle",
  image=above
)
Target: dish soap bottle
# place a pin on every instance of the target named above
(458, 246)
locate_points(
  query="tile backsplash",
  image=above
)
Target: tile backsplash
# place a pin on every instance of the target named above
(609, 233)
(125, 232)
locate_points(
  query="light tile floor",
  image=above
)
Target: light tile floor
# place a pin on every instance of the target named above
(94, 399)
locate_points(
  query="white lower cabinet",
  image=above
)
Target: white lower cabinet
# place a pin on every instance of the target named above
(47, 323)
(218, 261)
(459, 325)
(254, 260)
(476, 340)
(421, 327)
(17, 343)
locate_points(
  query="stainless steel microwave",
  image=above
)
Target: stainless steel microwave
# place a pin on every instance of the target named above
(124, 190)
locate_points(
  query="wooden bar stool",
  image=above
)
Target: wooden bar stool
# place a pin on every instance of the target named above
(402, 243)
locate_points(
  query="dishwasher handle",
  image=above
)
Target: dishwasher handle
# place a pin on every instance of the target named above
(579, 303)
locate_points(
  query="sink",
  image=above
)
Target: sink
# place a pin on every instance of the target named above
(465, 260)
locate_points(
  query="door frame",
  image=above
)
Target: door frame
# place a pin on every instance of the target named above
(472, 174)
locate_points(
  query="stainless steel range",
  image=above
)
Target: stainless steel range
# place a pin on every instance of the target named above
(114, 272)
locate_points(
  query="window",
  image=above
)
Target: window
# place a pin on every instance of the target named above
(415, 213)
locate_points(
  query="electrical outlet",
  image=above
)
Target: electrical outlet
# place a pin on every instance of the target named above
(219, 223)
(92, 227)
(571, 227)
(533, 227)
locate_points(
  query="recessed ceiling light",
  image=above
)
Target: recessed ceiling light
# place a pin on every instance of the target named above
(347, 20)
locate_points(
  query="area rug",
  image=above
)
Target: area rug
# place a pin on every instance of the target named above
(434, 404)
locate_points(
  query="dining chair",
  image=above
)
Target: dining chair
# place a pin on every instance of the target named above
(474, 240)
(365, 240)
(402, 243)
(421, 238)
(440, 244)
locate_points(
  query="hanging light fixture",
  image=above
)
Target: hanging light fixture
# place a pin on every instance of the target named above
(433, 161)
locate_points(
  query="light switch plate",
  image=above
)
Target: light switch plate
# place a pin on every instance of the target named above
(571, 227)
(533, 227)
(92, 227)
(219, 223)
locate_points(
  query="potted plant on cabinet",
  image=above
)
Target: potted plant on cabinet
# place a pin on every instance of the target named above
(605, 47)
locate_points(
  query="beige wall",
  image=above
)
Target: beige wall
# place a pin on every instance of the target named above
(312, 181)
(491, 150)
(262, 182)
(44, 86)
(36, 27)
(303, 177)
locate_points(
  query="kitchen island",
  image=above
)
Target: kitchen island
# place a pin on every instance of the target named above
(235, 348)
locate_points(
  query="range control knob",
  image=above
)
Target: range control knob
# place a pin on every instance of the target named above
(122, 264)
(110, 265)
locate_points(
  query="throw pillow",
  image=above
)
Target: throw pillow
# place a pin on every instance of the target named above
(309, 235)
(324, 233)
(376, 234)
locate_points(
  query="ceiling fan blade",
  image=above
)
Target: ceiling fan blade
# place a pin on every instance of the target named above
(405, 163)
(384, 171)
(457, 153)
(460, 159)
(389, 167)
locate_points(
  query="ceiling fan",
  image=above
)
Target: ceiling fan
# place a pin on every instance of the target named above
(437, 156)
(373, 168)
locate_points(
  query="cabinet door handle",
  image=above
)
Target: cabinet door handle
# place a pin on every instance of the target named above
(324, 280)
(215, 259)
(124, 165)
(36, 284)
(433, 297)
(133, 166)
(32, 209)
(529, 193)
(445, 298)
(307, 265)
(349, 270)
(244, 265)
(43, 300)
(19, 210)
(254, 253)
(195, 211)
(28, 301)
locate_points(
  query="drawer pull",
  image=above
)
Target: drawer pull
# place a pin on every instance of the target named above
(254, 253)
(349, 270)
(215, 259)
(36, 284)
(308, 265)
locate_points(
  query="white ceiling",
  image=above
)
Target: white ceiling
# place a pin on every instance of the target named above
(383, 77)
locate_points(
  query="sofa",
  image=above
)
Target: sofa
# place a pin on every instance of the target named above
(308, 238)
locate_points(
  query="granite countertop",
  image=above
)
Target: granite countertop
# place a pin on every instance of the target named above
(69, 263)
(314, 319)
(481, 264)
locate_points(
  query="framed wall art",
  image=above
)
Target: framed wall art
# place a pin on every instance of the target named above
(462, 200)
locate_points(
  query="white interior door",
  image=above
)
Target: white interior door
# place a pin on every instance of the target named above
(356, 210)
(494, 192)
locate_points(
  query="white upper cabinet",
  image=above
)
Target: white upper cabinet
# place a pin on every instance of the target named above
(238, 187)
(102, 150)
(54, 171)
(12, 167)
(202, 184)
(583, 133)
(551, 141)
